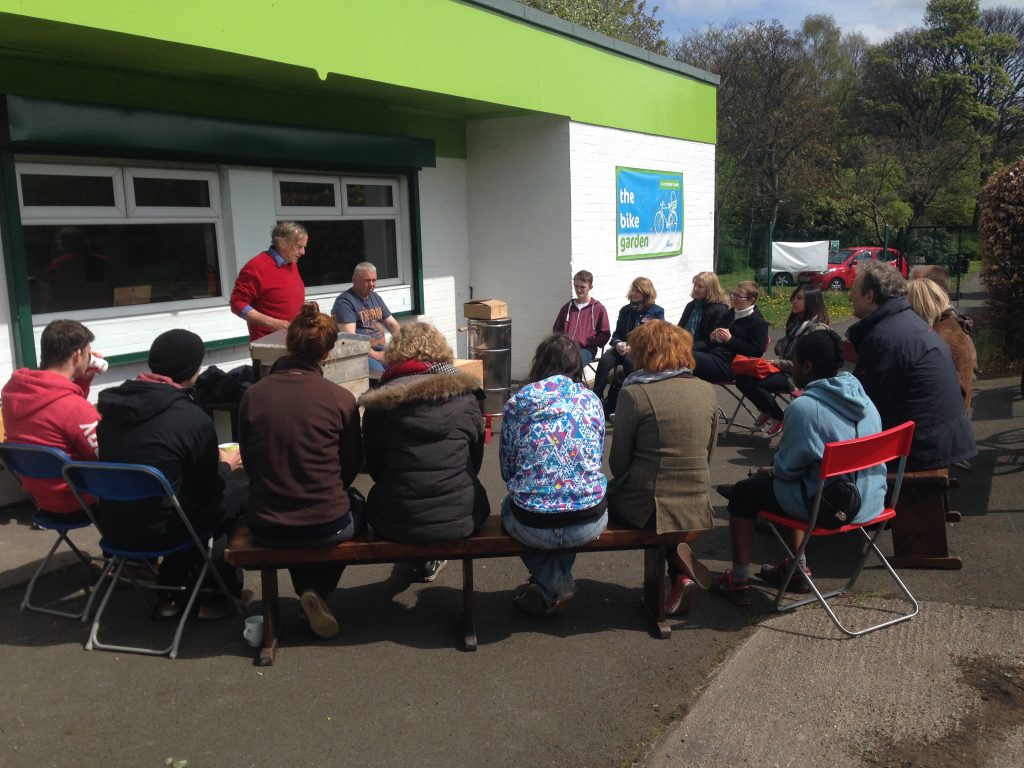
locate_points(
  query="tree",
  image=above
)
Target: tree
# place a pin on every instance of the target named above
(626, 20)
(775, 119)
(919, 101)
(1002, 221)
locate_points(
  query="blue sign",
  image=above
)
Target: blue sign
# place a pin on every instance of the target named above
(649, 213)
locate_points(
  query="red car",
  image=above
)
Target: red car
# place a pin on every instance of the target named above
(842, 267)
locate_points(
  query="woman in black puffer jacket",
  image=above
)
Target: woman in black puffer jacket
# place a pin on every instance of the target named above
(423, 439)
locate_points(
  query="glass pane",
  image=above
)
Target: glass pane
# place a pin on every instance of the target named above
(58, 189)
(95, 266)
(172, 193)
(369, 195)
(335, 247)
(307, 194)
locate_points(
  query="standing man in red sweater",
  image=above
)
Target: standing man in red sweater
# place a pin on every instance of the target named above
(269, 290)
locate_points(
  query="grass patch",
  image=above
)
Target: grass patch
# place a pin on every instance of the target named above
(775, 307)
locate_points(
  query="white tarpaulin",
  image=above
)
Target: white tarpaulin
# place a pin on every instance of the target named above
(796, 257)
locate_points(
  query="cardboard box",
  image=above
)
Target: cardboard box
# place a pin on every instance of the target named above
(474, 368)
(485, 309)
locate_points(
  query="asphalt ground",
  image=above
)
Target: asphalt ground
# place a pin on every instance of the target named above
(588, 687)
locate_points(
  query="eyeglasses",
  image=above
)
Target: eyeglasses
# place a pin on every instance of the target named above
(739, 295)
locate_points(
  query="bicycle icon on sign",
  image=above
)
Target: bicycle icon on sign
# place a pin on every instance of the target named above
(666, 217)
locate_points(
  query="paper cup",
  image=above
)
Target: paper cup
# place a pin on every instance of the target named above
(228, 446)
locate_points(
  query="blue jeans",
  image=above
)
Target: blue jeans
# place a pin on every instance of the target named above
(374, 366)
(586, 356)
(551, 572)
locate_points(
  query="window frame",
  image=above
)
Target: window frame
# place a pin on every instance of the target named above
(49, 213)
(342, 211)
(118, 170)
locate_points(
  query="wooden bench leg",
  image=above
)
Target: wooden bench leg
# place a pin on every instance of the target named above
(271, 618)
(919, 529)
(654, 590)
(468, 620)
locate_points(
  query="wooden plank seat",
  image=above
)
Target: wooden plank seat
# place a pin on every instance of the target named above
(919, 529)
(490, 541)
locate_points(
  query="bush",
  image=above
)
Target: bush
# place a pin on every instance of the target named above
(1002, 247)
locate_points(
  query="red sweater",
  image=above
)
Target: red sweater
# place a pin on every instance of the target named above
(45, 408)
(270, 289)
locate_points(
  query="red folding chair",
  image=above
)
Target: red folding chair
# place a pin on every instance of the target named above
(844, 458)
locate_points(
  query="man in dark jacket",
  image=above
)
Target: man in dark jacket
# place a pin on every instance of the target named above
(152, 420)
(907, 370)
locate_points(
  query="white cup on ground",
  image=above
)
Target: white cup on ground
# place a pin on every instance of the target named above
(253, 632)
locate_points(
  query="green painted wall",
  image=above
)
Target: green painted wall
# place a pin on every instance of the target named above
(436, 58)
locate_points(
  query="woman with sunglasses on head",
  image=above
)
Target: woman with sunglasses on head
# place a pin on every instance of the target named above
(808, 312)
(745, 332)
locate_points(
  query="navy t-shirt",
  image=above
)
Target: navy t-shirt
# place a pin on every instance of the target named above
(368, 314)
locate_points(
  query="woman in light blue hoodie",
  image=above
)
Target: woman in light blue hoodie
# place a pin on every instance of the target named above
(832, 408)
(552, 444)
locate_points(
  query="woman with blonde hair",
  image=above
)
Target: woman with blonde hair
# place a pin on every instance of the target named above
(423, 437)
(301, 448)
(707, 310)
(641, 309)
(930, 302)
(665, 432)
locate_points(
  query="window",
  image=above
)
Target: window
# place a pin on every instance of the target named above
(103, 236)
(350, 219)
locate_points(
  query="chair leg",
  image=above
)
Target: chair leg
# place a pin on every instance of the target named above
(823, 597)
(26, 603)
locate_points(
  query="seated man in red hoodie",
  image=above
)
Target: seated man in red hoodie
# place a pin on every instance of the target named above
(49, 407)
(584, 320)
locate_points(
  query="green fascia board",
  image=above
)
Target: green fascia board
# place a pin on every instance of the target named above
(43, 124)
(478, 51)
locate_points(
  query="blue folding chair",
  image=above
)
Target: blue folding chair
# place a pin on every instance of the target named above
(41, 462)
(108, 481)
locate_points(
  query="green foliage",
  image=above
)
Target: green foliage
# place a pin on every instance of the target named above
(626, 20)
(1002, 221)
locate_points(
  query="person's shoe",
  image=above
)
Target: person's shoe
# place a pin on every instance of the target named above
(431, 569)
(772, 428)
(225, 607)
(760, 421)
(529, 599)
(679, 599)
(169, 607)
(724, 491)
(773, 574)
(320, 618)
(736, 592)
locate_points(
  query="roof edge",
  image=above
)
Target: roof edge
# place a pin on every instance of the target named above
(583, 34)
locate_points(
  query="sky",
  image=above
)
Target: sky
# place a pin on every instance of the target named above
(876, 19)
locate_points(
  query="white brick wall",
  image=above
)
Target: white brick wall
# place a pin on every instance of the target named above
(517, 177)
(445, 243)
(594, 152)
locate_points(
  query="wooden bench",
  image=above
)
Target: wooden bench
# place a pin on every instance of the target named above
(919, 528)
(490, 541)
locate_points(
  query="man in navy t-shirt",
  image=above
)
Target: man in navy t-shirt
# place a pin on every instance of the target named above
(360, 310)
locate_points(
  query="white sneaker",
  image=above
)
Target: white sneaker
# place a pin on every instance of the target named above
(321, 620)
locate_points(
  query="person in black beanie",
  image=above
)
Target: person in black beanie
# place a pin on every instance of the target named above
(152, 420)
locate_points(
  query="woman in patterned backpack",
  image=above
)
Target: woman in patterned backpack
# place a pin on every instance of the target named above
(552, 443)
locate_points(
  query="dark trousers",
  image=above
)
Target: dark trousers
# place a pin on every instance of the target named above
(609, 361)
(755, 493)
(712, 368)
(760, 392)
(322, 579)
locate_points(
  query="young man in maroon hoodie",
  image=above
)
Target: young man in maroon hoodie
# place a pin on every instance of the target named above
(583, 319)
(49, 407)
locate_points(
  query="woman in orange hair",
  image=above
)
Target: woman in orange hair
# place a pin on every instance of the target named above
(666, 426)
